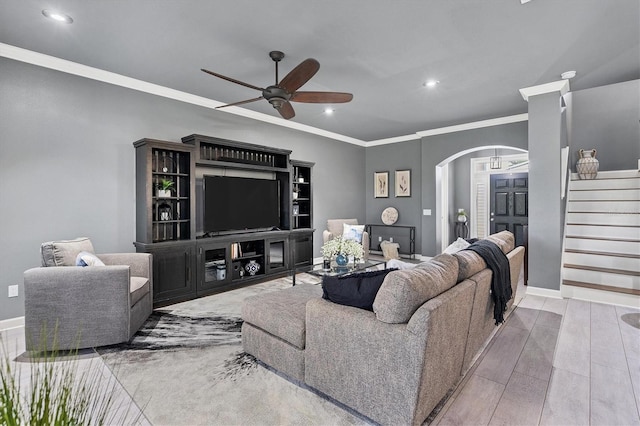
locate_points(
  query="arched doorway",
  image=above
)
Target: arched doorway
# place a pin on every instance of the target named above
(513, 160)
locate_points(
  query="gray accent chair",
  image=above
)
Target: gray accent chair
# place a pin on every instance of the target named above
(335, 227)
(72, 307)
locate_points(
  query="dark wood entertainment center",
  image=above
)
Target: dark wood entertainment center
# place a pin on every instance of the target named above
(189, 264)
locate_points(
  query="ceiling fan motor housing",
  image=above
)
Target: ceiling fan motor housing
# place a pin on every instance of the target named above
(276, 96)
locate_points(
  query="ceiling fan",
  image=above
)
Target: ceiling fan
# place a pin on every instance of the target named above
(280, 95)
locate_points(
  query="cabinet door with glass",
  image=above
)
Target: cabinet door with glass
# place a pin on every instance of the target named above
(277, 252)
(214, 266)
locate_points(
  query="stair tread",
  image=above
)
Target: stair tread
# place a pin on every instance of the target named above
(603, 253)
(624, 240)
(600, 269)
(601, 287)
(603, 224)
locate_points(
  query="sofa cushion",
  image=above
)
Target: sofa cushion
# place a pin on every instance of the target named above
(85, 258)
(352, 232)
(335, 226)
(503, 239)
(282, 313)
(138, 287)
(403, 292)
(357, 290)
(64, 252)
(469, 263)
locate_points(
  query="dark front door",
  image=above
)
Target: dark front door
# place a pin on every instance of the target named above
(510, 204)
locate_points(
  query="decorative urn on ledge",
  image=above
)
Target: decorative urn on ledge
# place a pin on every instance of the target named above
(587, 164)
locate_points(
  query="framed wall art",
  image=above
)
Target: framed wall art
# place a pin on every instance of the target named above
(380, 184)
(403, 183)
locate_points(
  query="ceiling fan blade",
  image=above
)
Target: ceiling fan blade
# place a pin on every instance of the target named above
(233, 80)
(321, 97)
(241, 102)
(286, 111)
(300, 75)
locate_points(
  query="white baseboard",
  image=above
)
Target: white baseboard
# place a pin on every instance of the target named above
(11, 323)
(543, 292)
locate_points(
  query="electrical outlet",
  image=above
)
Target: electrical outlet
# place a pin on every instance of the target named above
(426, 212)
(379, 239)
(390, 239)
(13, 291)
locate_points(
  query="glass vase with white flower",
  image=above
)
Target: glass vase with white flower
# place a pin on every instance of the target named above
(342, 249)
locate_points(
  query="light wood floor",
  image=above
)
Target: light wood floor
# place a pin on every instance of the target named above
(554, 362)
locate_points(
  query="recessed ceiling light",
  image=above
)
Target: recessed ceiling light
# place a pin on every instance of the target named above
(57, 16)
(568, 74)
(329, 111)
(431, 83)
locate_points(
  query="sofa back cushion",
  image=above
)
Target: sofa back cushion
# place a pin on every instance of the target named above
(335, 226)
(404, 291)
(64, 252)
(503, 239)
(469, 263)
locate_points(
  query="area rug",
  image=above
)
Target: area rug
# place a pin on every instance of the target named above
(186, 367)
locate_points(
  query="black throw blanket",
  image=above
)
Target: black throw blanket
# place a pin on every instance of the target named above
(501, 279)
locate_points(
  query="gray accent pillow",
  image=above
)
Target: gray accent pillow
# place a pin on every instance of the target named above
(404, 291)
(64, 252)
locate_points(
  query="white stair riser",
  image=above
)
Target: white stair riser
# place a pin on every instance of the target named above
(606, 194)
(625, 247)
(604, 219)
(604, 206)
(627, 232)
(601, 278)
(598, 261)
(605, 183)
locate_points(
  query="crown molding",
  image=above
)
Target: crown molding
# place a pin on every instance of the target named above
(74, 68)
(561, 86)
(475, 125)
(69, 67)
(396, 139)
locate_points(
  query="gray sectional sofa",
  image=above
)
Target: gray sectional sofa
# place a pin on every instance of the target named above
(392, 365)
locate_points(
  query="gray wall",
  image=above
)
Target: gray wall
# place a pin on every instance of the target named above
(546, 207)
(607, 118)
(67, 163)
(438, 148)
(392, 157)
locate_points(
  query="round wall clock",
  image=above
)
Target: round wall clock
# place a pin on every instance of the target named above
(389, 216)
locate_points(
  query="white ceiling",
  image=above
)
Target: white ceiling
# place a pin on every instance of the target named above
(481, 51)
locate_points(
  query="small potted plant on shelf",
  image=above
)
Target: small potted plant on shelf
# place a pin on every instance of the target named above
(164, 188)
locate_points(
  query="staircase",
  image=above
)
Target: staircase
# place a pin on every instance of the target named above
(601, 260)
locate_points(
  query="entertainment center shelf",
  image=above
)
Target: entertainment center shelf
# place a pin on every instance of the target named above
(189, 263)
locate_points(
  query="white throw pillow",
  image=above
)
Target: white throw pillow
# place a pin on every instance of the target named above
(456, 246)
(85, 258)
(352, 232)
(399, 264)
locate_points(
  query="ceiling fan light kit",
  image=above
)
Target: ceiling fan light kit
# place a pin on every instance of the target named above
(283, 92)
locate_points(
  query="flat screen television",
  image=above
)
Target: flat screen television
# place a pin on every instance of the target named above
(238, 203)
